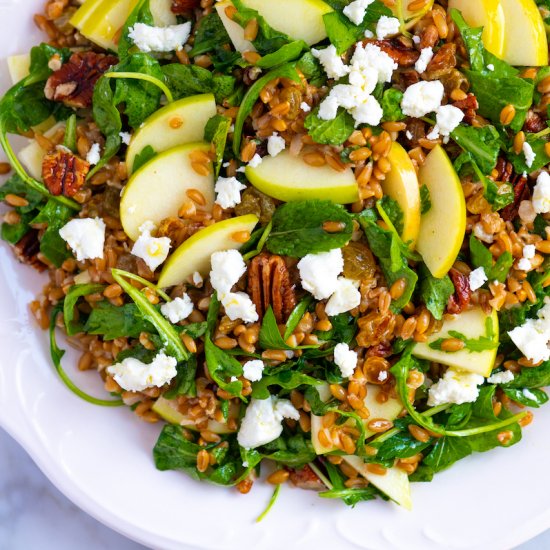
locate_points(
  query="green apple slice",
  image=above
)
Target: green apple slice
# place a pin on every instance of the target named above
(194, 254)
(401, 184)
(299, 19)
(393, 483)
(289, 178)
(525, 41)
(234, 30)
(487, 14)
(177, 123)
(31, 156)
(442, 227)
(472, 324)
(158, 189)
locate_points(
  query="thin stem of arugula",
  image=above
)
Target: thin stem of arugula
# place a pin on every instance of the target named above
(270, 503)
(147, 78)
(321, 476)
(145, 282)
(488, 427)
(261, 243)
(401, 18)
(542, 133)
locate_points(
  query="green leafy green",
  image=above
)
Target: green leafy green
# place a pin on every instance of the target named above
(287, 380)
(532, 377)
(184, 382)
(285, 54)
(113, 322)
(142, 158)
(391, 105)
(140, 14)
(222, 367)
(298, 228)
(69, 141)
(435, 293)
(76, 292)
(393, 211)
(483, 144)
(215, 132)
(482, 257)
(425, 199)
(344, 327)
(296, 316)
(330, 132)
(472, 345)
(210, 35)
(270, 337)
(541, 158)
(312, 70)
(530, 397)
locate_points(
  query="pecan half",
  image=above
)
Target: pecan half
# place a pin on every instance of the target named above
(443, 62)
(461, 298)
(184, 6)
(534, 123)
(269, 285)
(521, 193)
(74, 82)
(401, 54)
(64, 173)
(469, 105)
(27, 249)
(305, 478)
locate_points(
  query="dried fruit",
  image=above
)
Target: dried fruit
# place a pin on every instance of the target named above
(184, 6)
(178, 230)
(402, 55)
(359, 263)
(305, 478)
(255, 202)
(461, 298)
(64, 173)
(27, 249)
(73, 84)
(443, 62)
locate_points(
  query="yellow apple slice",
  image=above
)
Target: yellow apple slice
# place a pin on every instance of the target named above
(18, 67)
(472, 324)
(234, 30)
(487, 14)
(442, 227)
(289, 178)
(163, 16)
(401, 184)
(410, 17)
(194, 254)
(393, 483)
(177, 123)
(158, 189)
(299, 19)
(525, 41)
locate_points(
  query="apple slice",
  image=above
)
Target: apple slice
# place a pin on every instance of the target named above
(487, 14)
(163, 16)
(289, 178)
(442, 227)
(158, 189)
(31, 156)
(393, 483)
(472, 324)
(410, 17)
(194, 254)
(18, 67)
(401, 184)
(299, 19)
(525, 41)
(177, 123)
(234, 30)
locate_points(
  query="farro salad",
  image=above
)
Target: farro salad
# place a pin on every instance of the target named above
(300, 234)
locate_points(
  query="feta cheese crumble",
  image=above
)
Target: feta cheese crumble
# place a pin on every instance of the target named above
(275, 145)
(178, 309)
(426, 55)
(228, 192)
(94, 154)
(422, 98)
(529, 154)
(331, 62)
(305, 107)
(345, 297)
(238, 305)
(227, 268)
(541, 194)
(387, 26)
(345, 359)
(455, 387)
(85, 236)
(501, 377)
(253, 370)
(125, 137)
(491, 67)
(197, 279)
(152, 250)
(477, 278)
(160, 39)
(133, 375)
(262, 421)
(529, 252)
(447, 118)
(255, 161)
(355, 11)
(533, 336)
(319, 272)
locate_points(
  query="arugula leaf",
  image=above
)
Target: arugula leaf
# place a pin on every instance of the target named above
(435, 293)
(532, 377)
(483, 144)
(425, 199)
(330, 132)
(75, 293)
(216, 131)
(391, 105)
(285, 54)
(13, 233)
(298, 228)
(312, 70)
(221, 367)
(270, 337)
(184, 382)
(287, 380)
(533, 397)
(394, 212)
(296, 316)
(473, 345)
(344, 327)
(541, 158)
(446, 452)
(116, 321)
(210, 35)
(142, 158)
(482, 257)
(140, 14)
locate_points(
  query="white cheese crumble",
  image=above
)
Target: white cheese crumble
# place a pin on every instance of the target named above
(160, 39)
(501, 377)
(85, 236)
(426, 55)
(238, 305)
(408, 135)
(422, 98)
(355, 11)
(227, 268)
(94, 154)
(125, 137)
(178, 309)
(477, 278)
(345, 297)
(387, 26)
(345, 359)
(133, 375)
(533, 336)
(447, 118)
(529, 154)
(253, 370)
(275, 145)
(228, 192)
(332, 63)
(255, 161)
(524, 262)
(197, 279)
(319, 272)
(491, 67)
(372, 57)
(305, 107)
(455, 387)
(152, 250)
(262, 421)
(416, 39)
(541, 194)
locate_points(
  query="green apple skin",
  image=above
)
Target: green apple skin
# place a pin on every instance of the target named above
(447, 215)
(161, 133)
(299, 19)
(289, 178)
(471, 323)
(234, 30)
(158, 189)
(194, 254)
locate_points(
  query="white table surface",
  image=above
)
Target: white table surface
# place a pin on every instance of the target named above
(34, 515)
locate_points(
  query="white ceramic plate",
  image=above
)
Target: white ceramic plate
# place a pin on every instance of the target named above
(101, 458)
